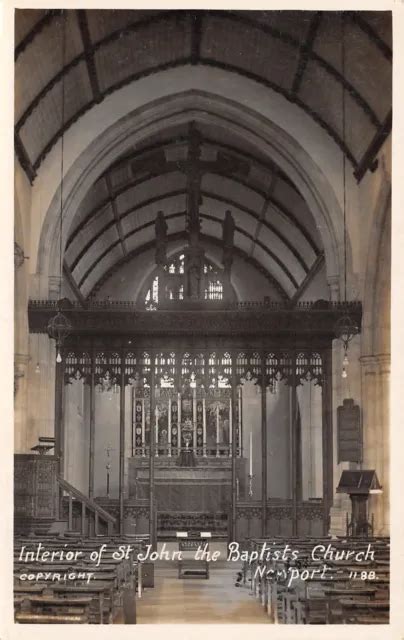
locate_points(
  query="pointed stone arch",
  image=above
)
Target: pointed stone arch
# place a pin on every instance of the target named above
(152, 117)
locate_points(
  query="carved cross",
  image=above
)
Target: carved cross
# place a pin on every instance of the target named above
(194, 168)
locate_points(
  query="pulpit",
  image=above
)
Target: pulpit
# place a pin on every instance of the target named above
(359, 485)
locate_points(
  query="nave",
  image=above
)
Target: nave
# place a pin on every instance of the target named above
(213, 601)
(261, 589)
(202, 330)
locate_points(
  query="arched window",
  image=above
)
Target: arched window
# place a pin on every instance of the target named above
(174, 283)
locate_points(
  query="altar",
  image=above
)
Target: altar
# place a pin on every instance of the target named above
(205, 487)
(191, 435)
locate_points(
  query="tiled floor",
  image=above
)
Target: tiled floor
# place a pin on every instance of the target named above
(198, 601)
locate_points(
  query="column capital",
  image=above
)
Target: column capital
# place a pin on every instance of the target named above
(21, 358)
(368, 361)
(376, 363)
(55, 283)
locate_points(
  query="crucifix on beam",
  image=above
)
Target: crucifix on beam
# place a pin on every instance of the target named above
(194, 168)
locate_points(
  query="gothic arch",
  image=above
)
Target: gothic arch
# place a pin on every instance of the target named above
(157, 114)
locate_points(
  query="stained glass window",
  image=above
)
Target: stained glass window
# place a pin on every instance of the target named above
(174, 283)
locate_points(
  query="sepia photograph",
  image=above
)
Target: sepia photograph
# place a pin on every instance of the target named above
(202, 278)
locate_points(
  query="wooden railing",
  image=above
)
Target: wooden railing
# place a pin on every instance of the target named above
(88, 504)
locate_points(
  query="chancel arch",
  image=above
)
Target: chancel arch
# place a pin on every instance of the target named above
(212, 109)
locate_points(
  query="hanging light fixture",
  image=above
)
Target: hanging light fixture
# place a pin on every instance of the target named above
(346, 328)
(59, 327)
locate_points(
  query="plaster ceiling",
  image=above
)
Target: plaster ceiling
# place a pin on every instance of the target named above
(297, 54)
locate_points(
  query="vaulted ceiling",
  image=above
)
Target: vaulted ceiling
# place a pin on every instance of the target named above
(275, 230)
(297, 54)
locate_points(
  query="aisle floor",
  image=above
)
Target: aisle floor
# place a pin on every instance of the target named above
(198, 601)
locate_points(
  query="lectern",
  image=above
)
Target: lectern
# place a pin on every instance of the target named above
(359, 485)
(44, 445)
(189, 543)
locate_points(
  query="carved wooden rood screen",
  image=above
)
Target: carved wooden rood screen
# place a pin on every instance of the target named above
(185, 371)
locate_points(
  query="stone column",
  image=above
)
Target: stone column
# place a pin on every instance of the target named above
(375, 373)
(328, 437)
(21, 361)
(22, 350)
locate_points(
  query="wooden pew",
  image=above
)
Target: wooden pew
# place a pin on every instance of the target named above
(41, 618)
(112, 586)
(27, 608)
(297, 605)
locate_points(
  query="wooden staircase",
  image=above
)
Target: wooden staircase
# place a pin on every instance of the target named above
(46, 504)
(83, 514)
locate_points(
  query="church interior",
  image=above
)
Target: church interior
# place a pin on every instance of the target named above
(202, 312)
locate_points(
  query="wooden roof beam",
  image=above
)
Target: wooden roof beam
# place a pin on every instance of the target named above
(315, 268)
(73, 284)
(117, 217)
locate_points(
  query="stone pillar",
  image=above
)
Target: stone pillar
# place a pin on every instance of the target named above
(328, 438)
(294, 449)
(21, 361)
(22, 350)
(375, 374)
(40, 390)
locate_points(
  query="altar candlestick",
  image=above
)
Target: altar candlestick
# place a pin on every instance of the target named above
(204, 425)
(157, 431)
(240, 431)
(251, 468)
(179, 421)
(217, 430)
(143, 429)
(169, 427)
(230, 426)
(194, 419)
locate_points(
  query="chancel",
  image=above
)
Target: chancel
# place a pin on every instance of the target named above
(202, 339)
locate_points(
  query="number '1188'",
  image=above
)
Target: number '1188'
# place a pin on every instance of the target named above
(362, 575)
